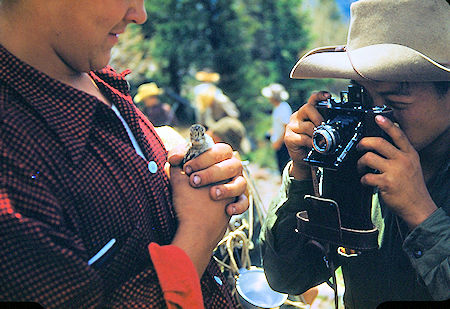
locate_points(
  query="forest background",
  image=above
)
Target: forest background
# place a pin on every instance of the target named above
(251, 43)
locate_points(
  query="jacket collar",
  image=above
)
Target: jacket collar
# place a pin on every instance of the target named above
(66, 110)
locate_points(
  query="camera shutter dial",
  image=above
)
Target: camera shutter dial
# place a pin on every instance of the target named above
(325, 139)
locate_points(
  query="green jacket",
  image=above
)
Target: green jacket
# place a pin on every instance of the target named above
(411, 265)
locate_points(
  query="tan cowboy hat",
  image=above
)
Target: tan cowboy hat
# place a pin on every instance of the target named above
(207, 76)
(275, 91)
(147, 90)
(388, 40)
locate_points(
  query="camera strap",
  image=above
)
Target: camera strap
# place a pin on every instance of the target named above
(325, 249)
(314, 171)
(321, 220)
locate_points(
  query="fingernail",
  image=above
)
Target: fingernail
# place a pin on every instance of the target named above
(196, 180)
(233, 208)
(218, 193)
(380, 118)
(188, 170)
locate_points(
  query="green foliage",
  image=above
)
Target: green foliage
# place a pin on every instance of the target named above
(190, 35)
(327, 24)
(277, 34)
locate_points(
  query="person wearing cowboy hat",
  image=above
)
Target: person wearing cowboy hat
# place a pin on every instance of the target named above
(398, 51)
(160, 114)
(210, 102)
(277, 95)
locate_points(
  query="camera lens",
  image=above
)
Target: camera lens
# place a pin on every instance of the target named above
(325, 139)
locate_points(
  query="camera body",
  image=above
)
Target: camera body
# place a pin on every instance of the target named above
(346, 123)
(340, 211)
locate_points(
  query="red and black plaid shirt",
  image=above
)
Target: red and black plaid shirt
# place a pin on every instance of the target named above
(70, 181)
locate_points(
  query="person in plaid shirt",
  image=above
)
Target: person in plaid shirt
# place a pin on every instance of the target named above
(93, 211)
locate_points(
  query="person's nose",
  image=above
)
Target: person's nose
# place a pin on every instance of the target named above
(136, 12)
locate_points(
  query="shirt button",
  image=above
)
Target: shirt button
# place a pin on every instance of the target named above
(418, 253)
(152, 167)
(218, 280)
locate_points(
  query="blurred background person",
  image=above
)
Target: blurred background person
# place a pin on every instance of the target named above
(210, 101)
(158, 113)
(231, 131)
(277, 95)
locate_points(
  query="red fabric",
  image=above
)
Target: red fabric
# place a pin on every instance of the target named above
(177, 276)
(71, 181)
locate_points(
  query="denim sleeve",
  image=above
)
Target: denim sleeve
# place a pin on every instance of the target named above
(288, 266)
(428, 248)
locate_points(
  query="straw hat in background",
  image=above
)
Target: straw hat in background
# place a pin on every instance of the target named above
(147, 90)
(207, 76)
(275, 91)
(388, 40)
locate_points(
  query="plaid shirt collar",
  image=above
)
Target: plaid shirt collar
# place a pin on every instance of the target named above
(66, 110)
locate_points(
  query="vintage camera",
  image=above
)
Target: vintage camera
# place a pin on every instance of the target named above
(346, 123)
(339, 213)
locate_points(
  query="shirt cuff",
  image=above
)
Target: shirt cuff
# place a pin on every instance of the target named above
(427, 244)
(295, 190)
(177, 276)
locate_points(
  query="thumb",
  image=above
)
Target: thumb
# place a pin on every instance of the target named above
(176, 155)
(175, 174)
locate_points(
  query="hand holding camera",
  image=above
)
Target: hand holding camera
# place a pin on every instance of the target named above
(400, 180)
(299, 132)
(357, 148)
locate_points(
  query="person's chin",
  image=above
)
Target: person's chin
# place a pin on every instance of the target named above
(100, 62)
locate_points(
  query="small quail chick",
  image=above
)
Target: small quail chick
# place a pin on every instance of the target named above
(199, 142)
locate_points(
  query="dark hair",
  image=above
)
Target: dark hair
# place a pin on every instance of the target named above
(441, 87)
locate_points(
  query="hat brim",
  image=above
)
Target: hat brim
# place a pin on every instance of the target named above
(138, 98)
(280, 95)
(380, 62)
(208, 77)
(141, 96)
